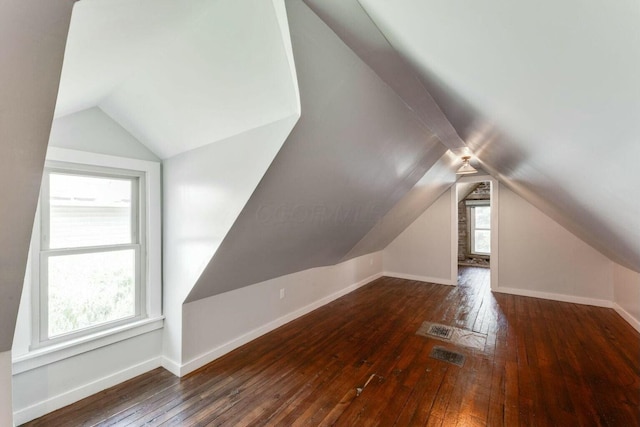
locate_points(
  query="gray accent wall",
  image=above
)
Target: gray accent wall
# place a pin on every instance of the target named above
(32, 41)
(355, 152)
(431, 186)
(353, 25)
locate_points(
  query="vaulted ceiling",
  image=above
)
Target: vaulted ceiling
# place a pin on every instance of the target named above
(545, 95)
(355, 152)
(32, 41)
(177, 75)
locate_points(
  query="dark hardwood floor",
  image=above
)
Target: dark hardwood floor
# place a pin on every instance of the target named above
(358, 362)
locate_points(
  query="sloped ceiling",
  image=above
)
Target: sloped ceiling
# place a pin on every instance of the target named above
(427, 190)
(355, 152)
(527, 90)
(209, 86)
(178, 75)
(92, 130)
(356, 29)
(546, 95)
(32, 40)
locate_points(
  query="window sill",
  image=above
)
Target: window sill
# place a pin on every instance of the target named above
(54, 353)
(482, 256)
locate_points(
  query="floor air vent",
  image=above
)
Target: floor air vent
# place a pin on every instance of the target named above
(440, 331)
(445, 355)
(457, 336)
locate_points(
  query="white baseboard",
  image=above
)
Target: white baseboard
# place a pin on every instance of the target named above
(171, 366)
(56, 402)
(635, 323)
(556, 297)
(223, 349)
(436, 280)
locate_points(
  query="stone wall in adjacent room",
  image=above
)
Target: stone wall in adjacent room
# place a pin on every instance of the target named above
(481, 192)
(463, 239)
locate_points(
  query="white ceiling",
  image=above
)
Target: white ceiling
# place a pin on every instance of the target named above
(356, 29)
(546, 94)
(178, 75)
(546, 72)
(357, 149)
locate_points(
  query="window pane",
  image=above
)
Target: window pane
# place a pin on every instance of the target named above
(89, 289)
(482, 241)
(89, 211)
(483, 217)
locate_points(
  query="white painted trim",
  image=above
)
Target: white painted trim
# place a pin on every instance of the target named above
(495, 234)
(171, 365)
(635, 323)
(495, 227)
(223, 349)
(106, 160)
(556, 297)
(153, 211)
(436, 280)
(453, 281)
(71, 396)
(54, 353)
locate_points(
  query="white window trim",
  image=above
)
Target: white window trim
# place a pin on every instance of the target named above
(153, 292)
(56, 352)
(40, 336)
(495, 228)
(472, 226)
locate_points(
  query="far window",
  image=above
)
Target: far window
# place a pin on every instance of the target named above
(91, 250)
(481, 230)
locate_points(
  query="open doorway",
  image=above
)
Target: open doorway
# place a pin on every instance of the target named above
(474, 224)
(475, 215)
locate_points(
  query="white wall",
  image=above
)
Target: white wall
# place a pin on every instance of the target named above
(540, 256)
(204, 191)
(38, 390)
(179, 75)
(46, 380)
(423, 250)
(6, 411)
(47, 388)
(356, 150)
(626, 293)
(205, 188)
(94, 131)
(216, 325)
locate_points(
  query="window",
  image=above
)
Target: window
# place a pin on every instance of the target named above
(480, 230)
(92, 250)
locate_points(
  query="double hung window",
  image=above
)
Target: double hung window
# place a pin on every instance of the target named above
(92, 250)
(480, 229)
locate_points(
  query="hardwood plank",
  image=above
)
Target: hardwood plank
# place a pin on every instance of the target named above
(126, 395)
(497, 397)
(544, 363)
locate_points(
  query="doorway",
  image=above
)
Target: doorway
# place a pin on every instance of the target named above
(475, 226)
